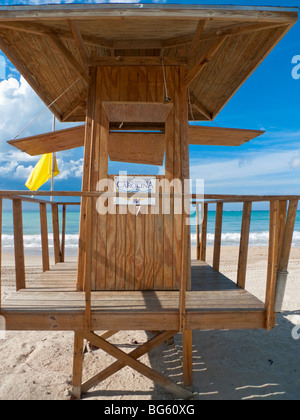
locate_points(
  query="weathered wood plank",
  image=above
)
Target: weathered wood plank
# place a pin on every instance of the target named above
(218, 236)
(55, 228)
(44, 237)
(244, 243)
(19, 244)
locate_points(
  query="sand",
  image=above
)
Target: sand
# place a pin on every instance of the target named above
(231, 365)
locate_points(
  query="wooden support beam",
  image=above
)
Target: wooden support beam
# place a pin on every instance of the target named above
(272, 265)
(288, 235)
(63, 234)
(55, 225)
(137, 61)
(44, 237)
(71, 60)
(138, 366)
(195, 70)
(187, 355)
(19, 245)
(218, 236)
(203, 240)
(244, 244)
(77, 366)
(135, 354)
(197, 38)
(79, 42)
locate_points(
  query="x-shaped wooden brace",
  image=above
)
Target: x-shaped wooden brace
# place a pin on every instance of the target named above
(123, 359)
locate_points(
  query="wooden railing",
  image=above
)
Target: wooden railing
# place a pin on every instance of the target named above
(283, 211)
(58, 238)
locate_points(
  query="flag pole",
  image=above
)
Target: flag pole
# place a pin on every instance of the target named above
(53, 162)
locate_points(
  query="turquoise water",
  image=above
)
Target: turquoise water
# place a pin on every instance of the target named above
(230, 232)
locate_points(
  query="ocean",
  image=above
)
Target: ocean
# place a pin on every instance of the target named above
(259, 233)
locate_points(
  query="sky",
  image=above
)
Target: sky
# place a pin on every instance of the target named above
(269, 100)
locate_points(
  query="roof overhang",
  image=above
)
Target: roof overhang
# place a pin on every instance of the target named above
(53, 46)
(133, 147)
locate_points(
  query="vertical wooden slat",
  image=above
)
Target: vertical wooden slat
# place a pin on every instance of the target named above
(198, 231)
(77, 366)
(159, 247)
(88, 144)
(203, 241)
(177, 174)
(288, 235)
(102, 133)
(272, 265)
(139, 268)
(130, 251)
(168, 219)
(88, 264)
(19, 245)
(63, 234)
(244, 244)
(218, 236)
(121, 247)
(44, 237)
(282, 220)
(187, 355)
(55, 227)
(149, 250)
(185, 168)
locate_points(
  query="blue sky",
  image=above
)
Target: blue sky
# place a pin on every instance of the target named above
(269, 100)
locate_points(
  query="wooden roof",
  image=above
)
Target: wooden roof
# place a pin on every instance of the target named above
(136, 148)
(53, 47)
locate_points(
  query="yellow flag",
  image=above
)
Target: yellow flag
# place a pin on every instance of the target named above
(41, 172)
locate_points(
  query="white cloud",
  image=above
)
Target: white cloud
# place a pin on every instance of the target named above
(19, 105)
(267, 168)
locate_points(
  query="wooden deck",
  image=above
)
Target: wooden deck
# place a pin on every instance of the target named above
(52, 303)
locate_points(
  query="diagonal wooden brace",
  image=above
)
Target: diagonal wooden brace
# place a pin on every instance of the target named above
(135, 354)
(128, 360)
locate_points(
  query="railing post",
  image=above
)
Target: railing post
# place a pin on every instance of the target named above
(288, 235)
(272, 265)
(244, 245)
(198, 230)
(63, 234)
(55, 225)
(287, 224)
(19, 244)
(218, 236)
(44, 237)
(203, 241)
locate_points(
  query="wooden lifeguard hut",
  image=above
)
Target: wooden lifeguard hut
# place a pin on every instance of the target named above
(136, 75)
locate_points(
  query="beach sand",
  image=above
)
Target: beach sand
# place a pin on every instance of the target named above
(231, 365)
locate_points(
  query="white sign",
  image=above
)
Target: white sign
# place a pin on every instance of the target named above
(135, 185)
